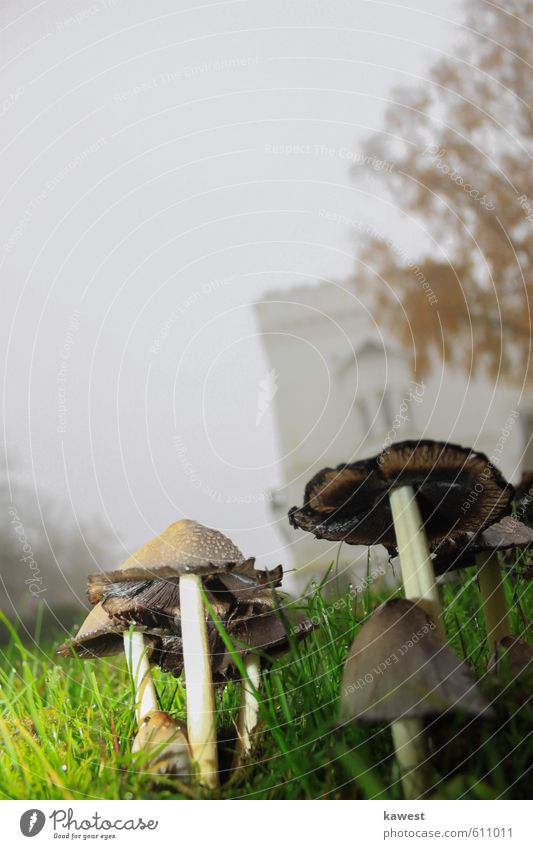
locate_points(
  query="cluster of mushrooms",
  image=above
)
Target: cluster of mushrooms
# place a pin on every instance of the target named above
(438, 506)
(168, 605)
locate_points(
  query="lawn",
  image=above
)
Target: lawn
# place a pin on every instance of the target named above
(66, 725)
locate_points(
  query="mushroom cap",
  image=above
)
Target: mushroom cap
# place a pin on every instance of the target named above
(183, 544)
(264, 633)
(458, 491)
(517, 655)
(98, 636)
(165, 740)
(450, 554)
(398, 669)
(185, 547)
(147, 597)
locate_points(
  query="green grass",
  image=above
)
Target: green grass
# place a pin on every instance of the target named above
(66, 725)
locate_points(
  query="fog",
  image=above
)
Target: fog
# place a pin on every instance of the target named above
(163, 166)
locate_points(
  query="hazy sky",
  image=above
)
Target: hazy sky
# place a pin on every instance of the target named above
(163, 165)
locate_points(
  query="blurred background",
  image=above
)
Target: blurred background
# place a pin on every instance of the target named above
(240, 241)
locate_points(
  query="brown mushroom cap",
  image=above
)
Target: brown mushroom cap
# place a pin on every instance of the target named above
(165, 742)
(515, 653)
(458, 491)
(147, 597)
(97, 637)
(398, 669)
(449, 554)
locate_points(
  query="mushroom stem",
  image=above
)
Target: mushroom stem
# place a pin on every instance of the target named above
(409, 745)
(249, 708)
(495, 609)
(420, 586)
(418, 575)
(198, 681)
(136, 651)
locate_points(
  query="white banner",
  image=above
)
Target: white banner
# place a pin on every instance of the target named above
(315, 824)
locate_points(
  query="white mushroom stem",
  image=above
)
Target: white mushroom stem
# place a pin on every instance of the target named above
(249, 709)
(495, 609)
(410, 748)
(136, 651)
(420, 586)
(418, 575)
(201, 725)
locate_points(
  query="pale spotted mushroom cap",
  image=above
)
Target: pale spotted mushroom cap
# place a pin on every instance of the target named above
(142, 597)
(185, 546)
(398, 669)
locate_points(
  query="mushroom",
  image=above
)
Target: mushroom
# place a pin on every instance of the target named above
(482, 549)
(398, 671)
(515, 653)
(411, 492)
(165, 740)
(184, 551)
(151, 601)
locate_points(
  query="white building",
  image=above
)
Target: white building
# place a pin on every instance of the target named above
(345, 390)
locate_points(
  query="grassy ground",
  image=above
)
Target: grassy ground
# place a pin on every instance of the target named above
(66, 725)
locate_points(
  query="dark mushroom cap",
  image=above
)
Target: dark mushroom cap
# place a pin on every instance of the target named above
(240, 595)
(398, 669)
(458, 491)
(449, 554)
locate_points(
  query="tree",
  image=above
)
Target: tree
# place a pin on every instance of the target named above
(458, 154)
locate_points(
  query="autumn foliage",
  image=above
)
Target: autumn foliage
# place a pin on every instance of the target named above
(459, 151)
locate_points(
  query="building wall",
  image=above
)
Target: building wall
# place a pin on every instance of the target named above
(345, 391)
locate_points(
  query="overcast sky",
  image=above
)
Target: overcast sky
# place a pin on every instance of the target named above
(163, 165)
